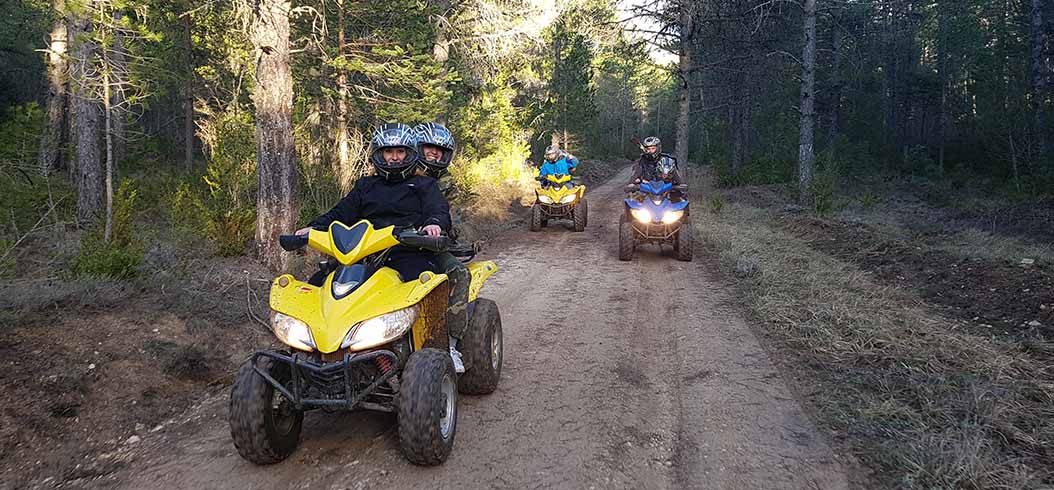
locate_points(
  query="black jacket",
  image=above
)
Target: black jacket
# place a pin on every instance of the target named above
(415, 202)
(644, 169)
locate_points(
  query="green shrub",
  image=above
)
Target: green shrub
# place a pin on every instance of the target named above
(717, 203)
(20, 138)
(221, 206)
(118, 258)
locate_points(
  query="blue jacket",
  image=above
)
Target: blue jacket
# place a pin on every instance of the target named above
(561, 166)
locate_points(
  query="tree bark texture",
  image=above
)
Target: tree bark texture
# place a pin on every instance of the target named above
(344, 162)
(942, 75)
(89, 172)
(684, 75)
(50, 157)
(276, 204)
(108, 115)
(808, 107)
(116, 134)
(1038, 80)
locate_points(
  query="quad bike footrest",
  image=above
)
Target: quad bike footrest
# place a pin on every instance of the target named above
(331, 377)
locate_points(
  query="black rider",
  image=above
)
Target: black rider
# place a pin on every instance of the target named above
(436, 146)
(654, 165)
(394, 196)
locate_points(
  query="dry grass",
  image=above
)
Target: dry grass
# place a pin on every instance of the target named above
(920, 401)
(982, 244)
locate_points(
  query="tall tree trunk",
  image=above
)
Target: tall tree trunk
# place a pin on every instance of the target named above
(116, 134)
(808, 110)
(276, 204)
(942, 75)
(50, 157)
(837, 84)
(684, 75)
(1037, 80)
(188, 94)
(108, 115)
(343, 144)
(89, 173)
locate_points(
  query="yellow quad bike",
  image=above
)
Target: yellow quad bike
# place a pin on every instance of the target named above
(365, 340)
(556, 200)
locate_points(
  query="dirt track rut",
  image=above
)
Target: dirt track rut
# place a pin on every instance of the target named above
(617, 375)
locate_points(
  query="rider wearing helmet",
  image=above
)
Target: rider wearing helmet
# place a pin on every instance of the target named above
(556, 163)
(653, 165)
(436, 146)
(394, 196)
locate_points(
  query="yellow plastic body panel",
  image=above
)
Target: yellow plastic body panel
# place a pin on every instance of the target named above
(330, 319)
(373, 241)
(480, 272)
(557, 193)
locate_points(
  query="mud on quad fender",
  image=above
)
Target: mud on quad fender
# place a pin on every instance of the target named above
(262, 433)
(482, 349)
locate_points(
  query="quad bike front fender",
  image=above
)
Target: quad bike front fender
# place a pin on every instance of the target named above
(331, 319)
(480, 272)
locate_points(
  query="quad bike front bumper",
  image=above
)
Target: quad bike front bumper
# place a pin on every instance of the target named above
(341, 384)
(557, 211)
(655, 232)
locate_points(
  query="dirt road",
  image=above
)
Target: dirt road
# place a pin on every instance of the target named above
(617, 375)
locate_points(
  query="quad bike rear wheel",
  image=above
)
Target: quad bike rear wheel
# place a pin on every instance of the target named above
(482, 347)
(626, 246)
(536, 218)
(428, 407)
(682, 244)
(580, 215)
(264, 424)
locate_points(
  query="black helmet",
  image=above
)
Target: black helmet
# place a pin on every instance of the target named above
(435, 134)
(652, 141)
(394, 135)
(551, 153)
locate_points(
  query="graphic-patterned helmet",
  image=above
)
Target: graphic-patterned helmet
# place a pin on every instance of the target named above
(552, 153)
(394, 135)
(437, 135)
(649, 142)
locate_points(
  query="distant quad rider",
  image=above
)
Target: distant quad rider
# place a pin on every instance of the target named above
(436, 147)
(556, 163)
(655, 165)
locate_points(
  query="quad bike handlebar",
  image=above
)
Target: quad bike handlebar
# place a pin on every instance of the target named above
(292, 243)
(410, 237)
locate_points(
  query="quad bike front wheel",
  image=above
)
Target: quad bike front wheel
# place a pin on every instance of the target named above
(536, 218)
(682, 244)
(428, 407)
(626, 246)
(264, 424)
(580, 215)
(482, 347)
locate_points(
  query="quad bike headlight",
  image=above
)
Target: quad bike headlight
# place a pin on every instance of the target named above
(671, 217)
(545, 199)
(641, 215)
(292, 332)
(380, 330)
(570, 198)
